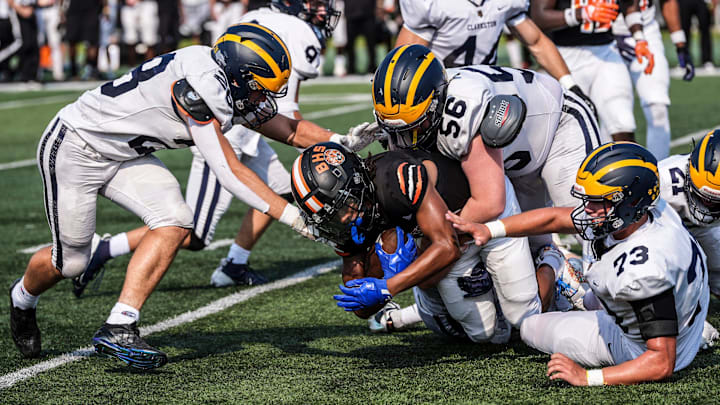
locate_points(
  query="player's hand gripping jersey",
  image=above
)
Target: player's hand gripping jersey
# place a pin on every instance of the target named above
(458, 37)
(468, 93)
(654, 283)
(138, 113)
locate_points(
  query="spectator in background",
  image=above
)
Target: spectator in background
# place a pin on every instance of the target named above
(225, 13)
(82, 24)
(702, 11)
(109, 51)
(168, 25)
(10, 38)
(339, 40)
(29, 52)
(49, 18)
(140, 29)
(360, 16)
(194, 14)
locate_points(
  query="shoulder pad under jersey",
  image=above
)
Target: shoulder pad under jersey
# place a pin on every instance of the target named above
(188, 102)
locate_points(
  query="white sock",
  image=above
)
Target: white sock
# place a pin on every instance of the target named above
(658, 130)
(123, 314)
(238, 254)
(406, 317)
(21, 298)
(119, 245)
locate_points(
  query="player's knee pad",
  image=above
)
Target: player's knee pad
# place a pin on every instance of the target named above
(74, 260)
(195, 243)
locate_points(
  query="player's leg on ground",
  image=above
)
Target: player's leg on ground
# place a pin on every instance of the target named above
(145, 187)
(583, 336)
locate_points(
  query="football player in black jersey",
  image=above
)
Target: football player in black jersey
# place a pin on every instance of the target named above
(352, 201)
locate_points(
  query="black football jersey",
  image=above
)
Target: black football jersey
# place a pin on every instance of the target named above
(585, 34)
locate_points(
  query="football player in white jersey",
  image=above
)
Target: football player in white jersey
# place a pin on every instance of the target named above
(581, 30)
(691, 186)
(653, 88)
(103, 144)
(494, 120)
(467, 32)
(645, 269)
(303, 26)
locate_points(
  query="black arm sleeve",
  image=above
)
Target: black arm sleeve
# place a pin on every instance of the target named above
(656, 315)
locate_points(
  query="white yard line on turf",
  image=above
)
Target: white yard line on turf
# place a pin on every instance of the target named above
(9, 105)
(330, 112)
(8, 380)
(687, 139)
(212, 246)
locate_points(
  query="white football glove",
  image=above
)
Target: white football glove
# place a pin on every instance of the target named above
(299, 222)
(358, 137)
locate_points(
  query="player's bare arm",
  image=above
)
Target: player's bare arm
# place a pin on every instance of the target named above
(535, 222)
(487, 200)
(542, 48)
(303, 133)
(655, 364)
(407, 37)
(442, 251)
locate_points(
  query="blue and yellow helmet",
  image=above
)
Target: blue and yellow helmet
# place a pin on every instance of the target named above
(254, 59)
(702, 182)
(409, 95)
(623, 176)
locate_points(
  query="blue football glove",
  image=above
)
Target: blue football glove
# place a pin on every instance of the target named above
(363, 293)
(394, 263)
(685, 62)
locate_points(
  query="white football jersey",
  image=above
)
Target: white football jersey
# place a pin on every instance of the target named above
(462, 32)
(647, 11)
(134, 114)
(299, 37)
(468, 93)
(658, 256)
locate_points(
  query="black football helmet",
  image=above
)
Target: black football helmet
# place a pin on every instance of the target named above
(331, 185)
(320, 13)
(623, 176)
(409, 90)
(702, 179)
(254, 59)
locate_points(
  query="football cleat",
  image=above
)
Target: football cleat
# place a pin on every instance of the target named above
(710, 336)
(381, 321)
(124, 343)
(99, 255)
(23, 328)
(229, 273)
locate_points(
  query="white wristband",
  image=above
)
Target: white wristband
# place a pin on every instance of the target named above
(633, 18)
(566, 82)
(678, 37)
(496, 228)
(638, 36)
(289, 215)
(570, 17)
(595, 377)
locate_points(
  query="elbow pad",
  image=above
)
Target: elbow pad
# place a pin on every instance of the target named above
(188, 103)
(503, 120)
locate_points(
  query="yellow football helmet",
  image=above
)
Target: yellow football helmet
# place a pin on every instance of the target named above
(702, 182)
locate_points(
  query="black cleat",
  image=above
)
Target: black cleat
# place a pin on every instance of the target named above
(100, 255)
(124, 343)
(229, 273)
(24, 329)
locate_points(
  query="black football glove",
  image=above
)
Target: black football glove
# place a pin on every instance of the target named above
(576, 89)
(685, 62)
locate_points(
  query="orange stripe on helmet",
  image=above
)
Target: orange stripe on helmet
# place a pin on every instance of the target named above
(401, 177)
